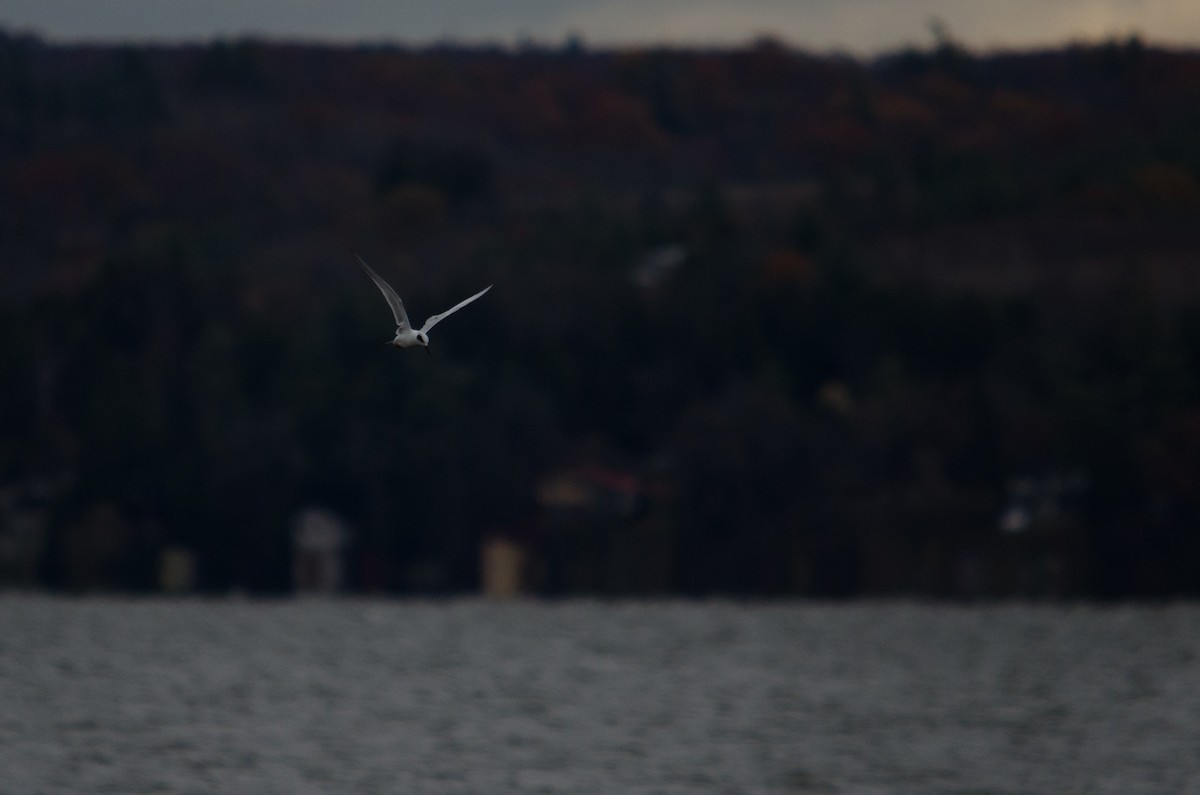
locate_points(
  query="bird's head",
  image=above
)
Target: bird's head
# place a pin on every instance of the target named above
(423, 340)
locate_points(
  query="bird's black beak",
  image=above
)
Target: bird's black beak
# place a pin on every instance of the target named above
(426, 349)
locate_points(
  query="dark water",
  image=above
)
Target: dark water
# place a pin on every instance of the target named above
(583, 697)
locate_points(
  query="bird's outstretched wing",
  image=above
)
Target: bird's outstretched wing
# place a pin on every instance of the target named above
(393, 300)
(435, 319)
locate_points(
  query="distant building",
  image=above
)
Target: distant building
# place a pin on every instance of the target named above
(1042, 536)
(600, 533)
(319, 541)
(503, 564)
(1040, 501)
(594, 490)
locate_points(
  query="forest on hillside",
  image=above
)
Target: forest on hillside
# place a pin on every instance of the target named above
(926, 324)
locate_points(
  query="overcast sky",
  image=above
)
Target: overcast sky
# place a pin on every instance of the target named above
(860, 26)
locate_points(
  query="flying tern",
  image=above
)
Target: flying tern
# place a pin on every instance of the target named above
(406, 335)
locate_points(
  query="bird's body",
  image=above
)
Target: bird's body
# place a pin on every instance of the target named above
(406, 335)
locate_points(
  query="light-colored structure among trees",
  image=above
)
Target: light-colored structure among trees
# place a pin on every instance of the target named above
(319, 540)
(502, 568)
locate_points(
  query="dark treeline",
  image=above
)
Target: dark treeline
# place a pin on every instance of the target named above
(925, 324)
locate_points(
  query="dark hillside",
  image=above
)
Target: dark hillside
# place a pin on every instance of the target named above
(763, 323)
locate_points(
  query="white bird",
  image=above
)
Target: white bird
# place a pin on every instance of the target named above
(406, 335)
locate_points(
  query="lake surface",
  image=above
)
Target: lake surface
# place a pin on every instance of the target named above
(123, 696)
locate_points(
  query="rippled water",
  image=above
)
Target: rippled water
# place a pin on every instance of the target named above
(586, 697)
